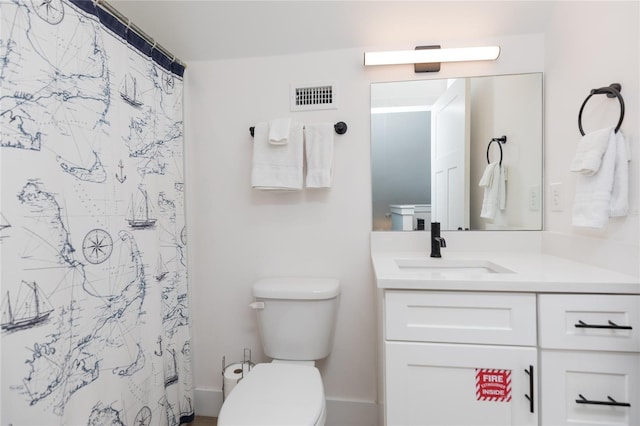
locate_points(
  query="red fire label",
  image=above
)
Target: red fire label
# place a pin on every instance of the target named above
(493, 385)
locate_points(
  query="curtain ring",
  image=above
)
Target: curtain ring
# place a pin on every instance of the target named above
(127, 28)
(153, 47)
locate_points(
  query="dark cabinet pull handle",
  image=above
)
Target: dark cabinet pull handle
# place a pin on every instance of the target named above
(612, 325)
(530, 396)
(610, 401)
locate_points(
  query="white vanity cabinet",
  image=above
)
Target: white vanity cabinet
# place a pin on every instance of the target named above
(444, 323)
(590, 359)
(459, 358)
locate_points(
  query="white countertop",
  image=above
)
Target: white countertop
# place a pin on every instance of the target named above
(532, 272)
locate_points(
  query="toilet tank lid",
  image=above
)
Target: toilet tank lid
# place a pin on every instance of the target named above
(298, 288)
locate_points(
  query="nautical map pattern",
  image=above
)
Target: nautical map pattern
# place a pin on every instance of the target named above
(95, 313)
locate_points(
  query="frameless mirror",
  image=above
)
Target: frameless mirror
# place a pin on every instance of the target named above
(465, 152)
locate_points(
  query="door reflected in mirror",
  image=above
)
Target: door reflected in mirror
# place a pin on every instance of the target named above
(438, 153)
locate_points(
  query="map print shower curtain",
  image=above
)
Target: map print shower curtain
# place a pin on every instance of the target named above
(95, 321)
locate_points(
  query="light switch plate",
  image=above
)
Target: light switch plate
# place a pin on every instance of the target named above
(557, 199)
(534, 198)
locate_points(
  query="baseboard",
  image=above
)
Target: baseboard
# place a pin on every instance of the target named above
(208, 402)
(340, 412)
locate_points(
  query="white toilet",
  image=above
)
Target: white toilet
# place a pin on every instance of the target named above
(296, 318)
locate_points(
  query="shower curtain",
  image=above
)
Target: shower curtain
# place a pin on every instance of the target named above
(95, 320)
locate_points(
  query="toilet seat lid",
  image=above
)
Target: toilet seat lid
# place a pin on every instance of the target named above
(275, 394)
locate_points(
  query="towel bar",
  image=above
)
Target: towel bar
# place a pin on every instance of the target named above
(612, 91)
(340, 127)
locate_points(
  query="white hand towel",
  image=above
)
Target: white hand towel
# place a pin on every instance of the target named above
(619, 205)
(592, 201)
(319, 146)
(277, 166)
(487, 176)
(494, 182)
(590, 151)
(279, 131)
(502, 194)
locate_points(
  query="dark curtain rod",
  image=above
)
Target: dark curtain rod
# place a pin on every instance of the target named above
(340, 127)
(112, 10)
(121, 25)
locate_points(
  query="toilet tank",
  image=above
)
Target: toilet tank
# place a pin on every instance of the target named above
(296, 316)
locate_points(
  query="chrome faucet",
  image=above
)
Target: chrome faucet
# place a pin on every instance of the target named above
(436, 240)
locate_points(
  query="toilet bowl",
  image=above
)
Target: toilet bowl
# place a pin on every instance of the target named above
(296, 318)
(276, 394)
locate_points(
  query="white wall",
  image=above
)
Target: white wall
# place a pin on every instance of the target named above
(242, 234)
(509, 106)
(238, 235)
(590, 45)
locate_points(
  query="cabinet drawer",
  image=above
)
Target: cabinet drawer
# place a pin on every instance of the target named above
(589, 388)
(493, 318)
(592, 322)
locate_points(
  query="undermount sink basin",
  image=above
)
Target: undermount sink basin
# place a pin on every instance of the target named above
(440, 265)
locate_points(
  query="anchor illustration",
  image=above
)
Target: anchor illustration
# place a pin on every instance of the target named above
(159, 346)
(122, 177)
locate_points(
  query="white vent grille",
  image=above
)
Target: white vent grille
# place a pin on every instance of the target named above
(313, 97)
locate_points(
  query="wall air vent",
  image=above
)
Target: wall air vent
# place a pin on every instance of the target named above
(309, 97)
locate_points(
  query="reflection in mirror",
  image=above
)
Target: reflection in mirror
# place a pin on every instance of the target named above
(433, 158)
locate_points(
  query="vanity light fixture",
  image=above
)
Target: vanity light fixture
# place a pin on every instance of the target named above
(428, 58)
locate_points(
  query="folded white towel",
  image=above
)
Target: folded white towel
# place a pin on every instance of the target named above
(319, 146)
(277, 166)
(494, 182)
(279, 131)
(487, 176)
(590, 151)
(619, 205)
(502, 196)
(592, 201)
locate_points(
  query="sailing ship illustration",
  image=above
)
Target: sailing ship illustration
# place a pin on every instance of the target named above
(4, 223)
(161, 269)
(129, 91)
(32, 308)
(171, 370)
(140, 213)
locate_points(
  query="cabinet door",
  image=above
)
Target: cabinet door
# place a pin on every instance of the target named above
(456, 384)
(576, 388)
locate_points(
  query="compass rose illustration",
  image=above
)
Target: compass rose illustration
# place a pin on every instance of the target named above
(97, 246)
(143, 418)
(168, 83)
(51, 11)
(183, 235)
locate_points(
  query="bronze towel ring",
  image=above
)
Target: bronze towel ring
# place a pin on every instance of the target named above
(500, 141)
(612, 91)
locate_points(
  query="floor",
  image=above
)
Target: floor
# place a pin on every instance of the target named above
(204, 421)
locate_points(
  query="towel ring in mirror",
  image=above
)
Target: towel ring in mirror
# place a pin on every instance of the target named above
(500, 141)
(612, 91)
